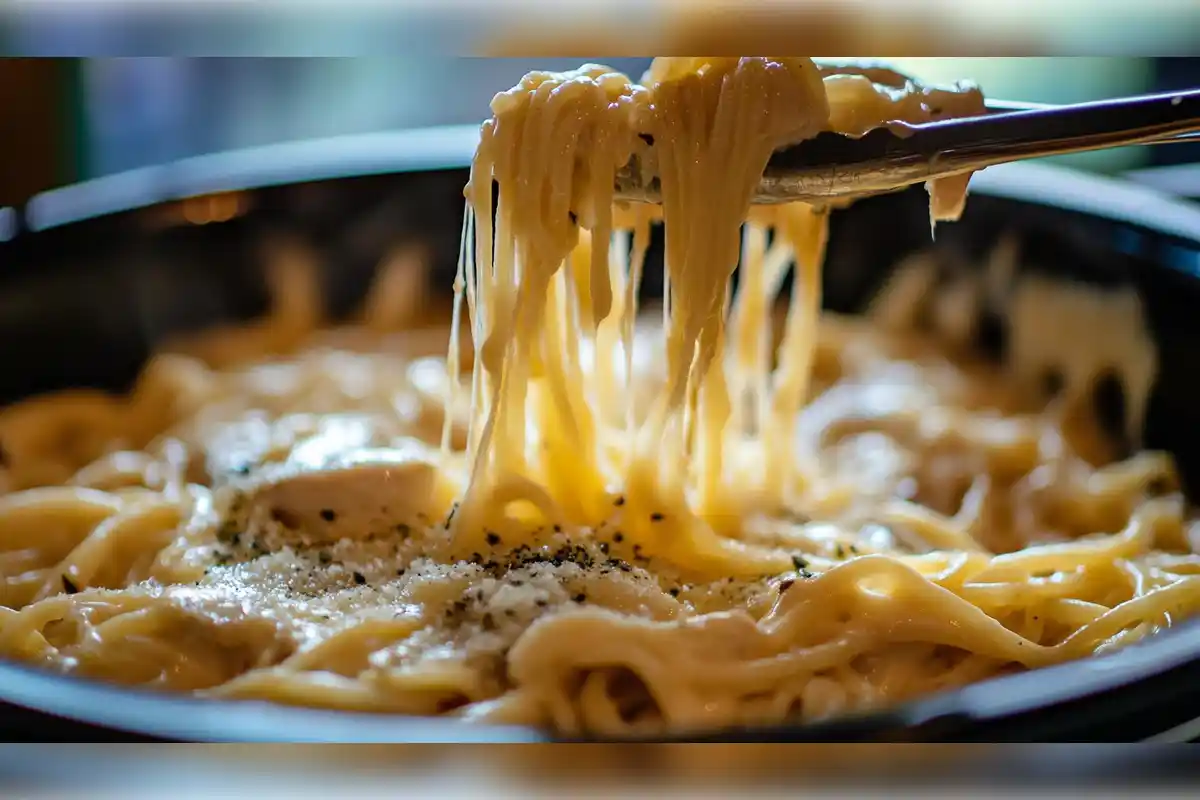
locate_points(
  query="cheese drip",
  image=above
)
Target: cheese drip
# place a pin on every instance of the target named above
(552, 281)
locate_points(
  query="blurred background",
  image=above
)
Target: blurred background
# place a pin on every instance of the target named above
(74, 119)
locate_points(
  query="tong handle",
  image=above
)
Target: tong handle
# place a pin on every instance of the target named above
(833, 166)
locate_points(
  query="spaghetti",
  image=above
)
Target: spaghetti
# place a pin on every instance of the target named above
(581, 520)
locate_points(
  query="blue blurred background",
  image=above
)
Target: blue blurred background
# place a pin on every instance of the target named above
(100, 116)
(141, 111)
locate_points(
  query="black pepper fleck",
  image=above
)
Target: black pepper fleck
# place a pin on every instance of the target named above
(493, 539)
(359, 578)
(579, 598)
(656, 517)
(800, 563)
(618, 537)
(285, 518)
(328, 514)
(620, 501)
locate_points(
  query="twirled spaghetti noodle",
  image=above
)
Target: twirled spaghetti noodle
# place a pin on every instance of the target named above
(746, 517)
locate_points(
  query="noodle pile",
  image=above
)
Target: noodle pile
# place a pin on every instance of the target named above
(592, 518)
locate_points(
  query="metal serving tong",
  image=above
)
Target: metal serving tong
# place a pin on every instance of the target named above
(832, 166)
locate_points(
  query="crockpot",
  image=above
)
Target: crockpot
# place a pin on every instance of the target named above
(95, 275)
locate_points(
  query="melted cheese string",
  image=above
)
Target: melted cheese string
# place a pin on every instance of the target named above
(546, 281)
